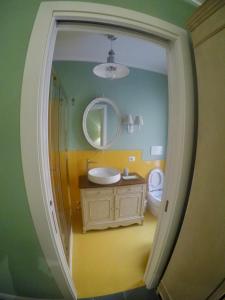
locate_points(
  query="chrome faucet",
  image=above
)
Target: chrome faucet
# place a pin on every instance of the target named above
(88, 162)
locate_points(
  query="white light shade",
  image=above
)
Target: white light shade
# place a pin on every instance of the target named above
(111, 71)
(128, 120)
(138, 120)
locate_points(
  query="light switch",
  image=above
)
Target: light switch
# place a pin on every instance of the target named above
(157, 150)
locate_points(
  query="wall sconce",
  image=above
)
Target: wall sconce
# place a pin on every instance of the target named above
(138, 120)
(130, 122)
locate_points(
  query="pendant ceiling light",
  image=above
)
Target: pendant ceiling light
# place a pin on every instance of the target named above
(111, 69)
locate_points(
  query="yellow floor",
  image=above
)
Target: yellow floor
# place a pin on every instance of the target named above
(112, 260)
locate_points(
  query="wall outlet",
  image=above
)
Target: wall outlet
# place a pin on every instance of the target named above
(131, 158)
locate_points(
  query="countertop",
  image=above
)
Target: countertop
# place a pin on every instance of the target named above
(84, 183)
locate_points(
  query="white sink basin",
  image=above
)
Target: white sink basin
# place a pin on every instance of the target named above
(104, 175)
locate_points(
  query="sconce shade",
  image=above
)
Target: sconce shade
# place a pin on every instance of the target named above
(138, 120)
(130, 119)
(129, 122)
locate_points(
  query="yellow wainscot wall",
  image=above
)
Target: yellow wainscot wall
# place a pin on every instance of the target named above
(110, 158)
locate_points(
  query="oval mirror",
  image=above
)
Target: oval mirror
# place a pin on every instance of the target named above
(101, 123)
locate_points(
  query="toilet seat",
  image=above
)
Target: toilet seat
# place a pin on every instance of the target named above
(155, 180)
(155, 190)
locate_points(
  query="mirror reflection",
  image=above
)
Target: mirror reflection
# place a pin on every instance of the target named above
(101, 123)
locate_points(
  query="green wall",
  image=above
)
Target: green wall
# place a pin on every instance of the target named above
(141, 93)
(23, 269)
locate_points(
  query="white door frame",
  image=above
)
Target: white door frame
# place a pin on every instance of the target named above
(34, 128)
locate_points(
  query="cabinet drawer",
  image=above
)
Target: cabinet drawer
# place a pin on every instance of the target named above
(130, 189)
(92, 193)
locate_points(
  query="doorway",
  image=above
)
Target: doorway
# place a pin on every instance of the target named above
(179, 137)
(123, 251)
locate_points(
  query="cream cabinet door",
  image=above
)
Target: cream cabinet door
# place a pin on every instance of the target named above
(129, 202)
(128, 206)
(99, 210)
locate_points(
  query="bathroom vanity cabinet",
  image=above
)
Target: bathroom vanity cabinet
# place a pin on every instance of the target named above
(114, 205)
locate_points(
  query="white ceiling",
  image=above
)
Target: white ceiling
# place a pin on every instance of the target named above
(94, 47)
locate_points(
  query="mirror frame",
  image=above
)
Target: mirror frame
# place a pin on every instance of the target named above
(99, 100)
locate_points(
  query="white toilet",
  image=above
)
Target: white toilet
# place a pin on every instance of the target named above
(154, 191)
